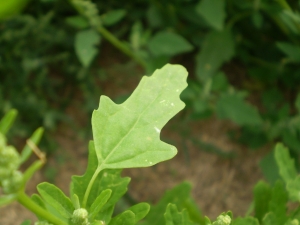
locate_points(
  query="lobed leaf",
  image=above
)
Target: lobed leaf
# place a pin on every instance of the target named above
(213, 11)
(173, 217)
(140, 210)
(56, 198)
(127, 135)
(85, 46)
(293, 188)
(168, 44)
(125, 218)
(285, 163)
(217, 48)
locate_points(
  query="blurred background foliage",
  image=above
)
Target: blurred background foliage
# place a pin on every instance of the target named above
(243, 57)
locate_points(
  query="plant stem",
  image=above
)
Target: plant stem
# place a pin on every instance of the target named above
(36, 209)
(89, 187)
(121, 46)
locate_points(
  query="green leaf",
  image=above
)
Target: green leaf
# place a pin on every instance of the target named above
(285, 163)
(262, 195)
(269, 168)
(270, 219)
(107, 179)
(293, 188)
(85, 46)
(245, 221)
(7, 121)
(125, 218)
(173, 217)
(168, 44)
(278, 201)
(99, 203)
(112, 17)
(140, 210)
(127, 135)
(35, 139)
(78, 22)
(292, 51)
(26, 222)
(233, 107)
(213, 11)
(217, 48)
(56, 198)
(179, 195)
(39, 201)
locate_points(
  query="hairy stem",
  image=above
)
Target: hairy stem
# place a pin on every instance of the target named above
(36, 209)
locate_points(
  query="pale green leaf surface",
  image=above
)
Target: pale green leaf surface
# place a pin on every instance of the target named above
(127, 135)
(125, 218)
(7, 121)
(213, 11)
(178, 196)
(238, 110)
(56, 198)
(217, 48)
(168, 44)
(85, 46)
(293, 188)
(107, 179)
(245, 221)
(173, 217)
(287, 169)
(140, 210)
(99, 203)
(262, 195)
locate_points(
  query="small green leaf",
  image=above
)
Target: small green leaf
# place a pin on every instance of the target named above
(26, 222)
(56, 198)
(285, 163)
(112, 17)
(262, 195)
(245, 221)
(7, 121)
(293, 188)
(278, 201)
(75, 201)
(99, 203)
(270, 219)
(85, 46)
(140, 210)
(168, 44)
(127, 135)
(213, 11)
(217, 48)
(233, 107)
(78, 22)
(125, 218)
(173, 217)
(178, 196)
(35, 139)
(292, 51)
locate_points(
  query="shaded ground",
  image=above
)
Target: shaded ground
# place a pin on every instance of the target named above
(219, 184)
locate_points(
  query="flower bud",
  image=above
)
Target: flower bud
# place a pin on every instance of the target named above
(80, 217)
(9, 157)
(12, 184)
(222, 220)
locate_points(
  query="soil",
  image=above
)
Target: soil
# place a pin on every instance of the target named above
(219, 184)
